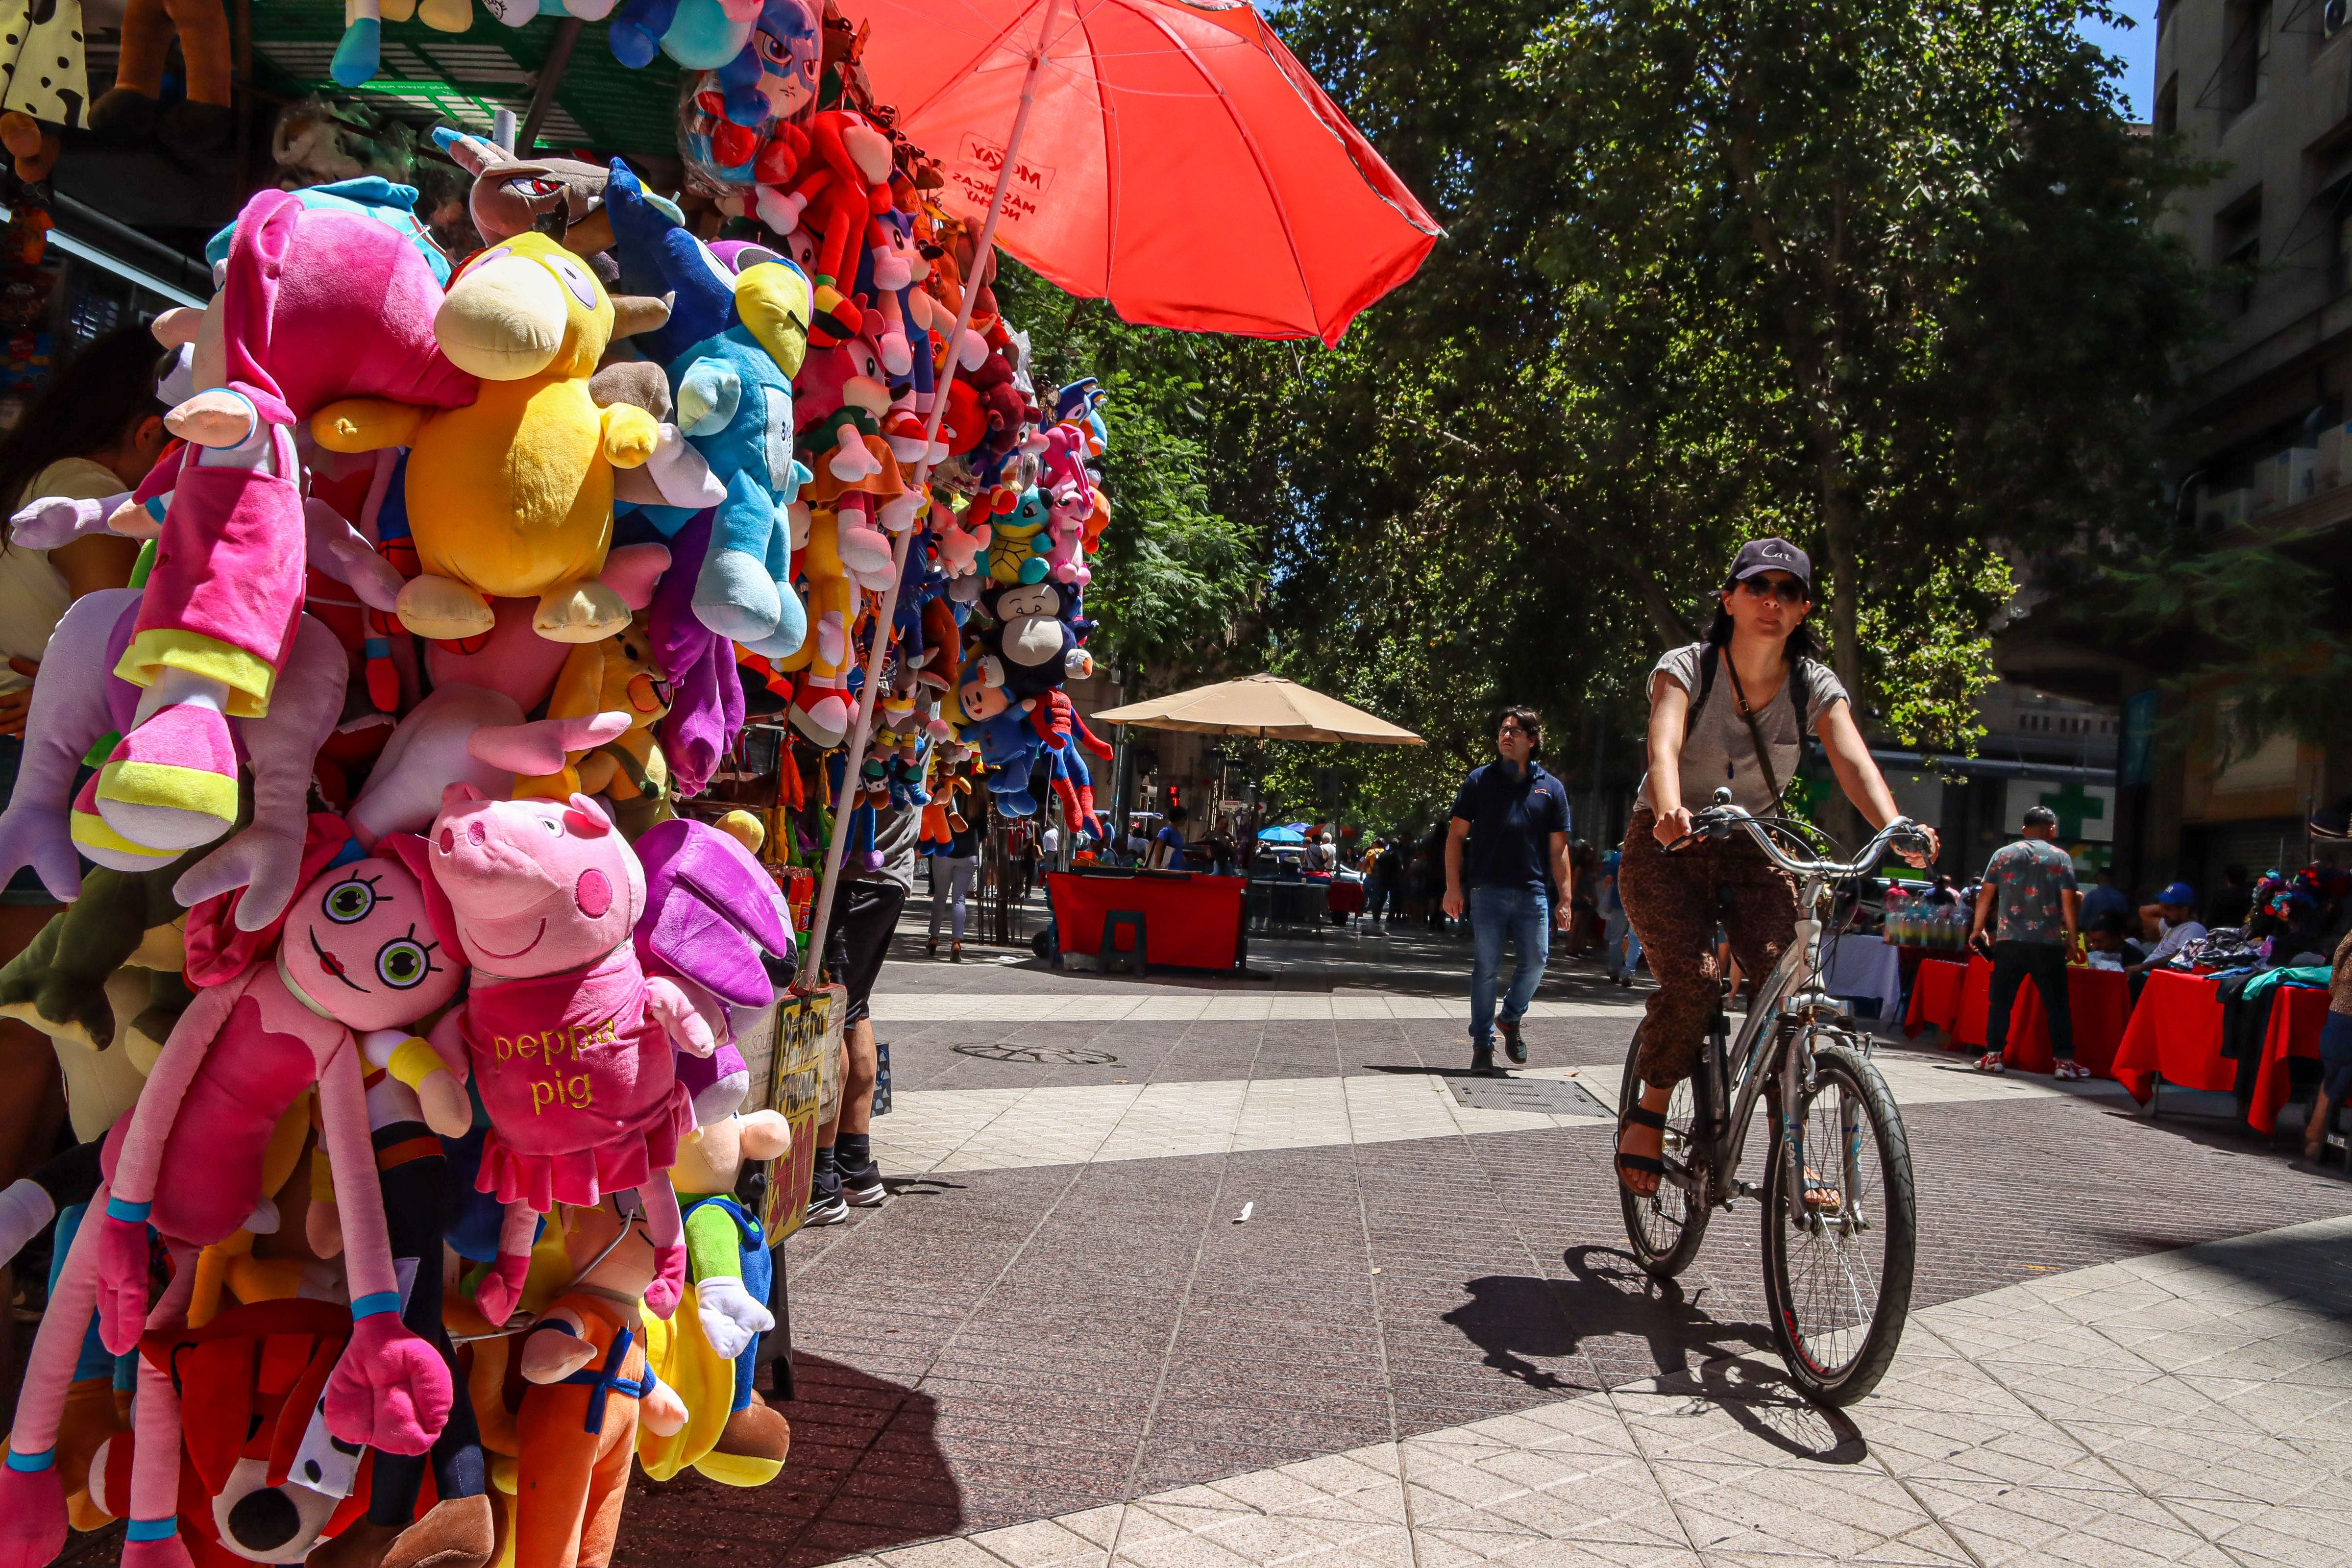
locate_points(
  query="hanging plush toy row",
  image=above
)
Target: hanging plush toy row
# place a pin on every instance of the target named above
(396, 1001)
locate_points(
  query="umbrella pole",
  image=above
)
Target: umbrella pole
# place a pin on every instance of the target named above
(862, 725)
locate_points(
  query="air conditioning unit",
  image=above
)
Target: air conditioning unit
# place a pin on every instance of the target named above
(2283, 479)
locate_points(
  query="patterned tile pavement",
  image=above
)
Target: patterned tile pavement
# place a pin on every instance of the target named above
(1426, 1348)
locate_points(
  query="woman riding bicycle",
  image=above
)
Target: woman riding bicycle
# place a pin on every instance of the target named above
(1724, 711)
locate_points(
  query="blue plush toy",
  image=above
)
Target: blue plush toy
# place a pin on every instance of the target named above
(732, 385)
(1008, 746)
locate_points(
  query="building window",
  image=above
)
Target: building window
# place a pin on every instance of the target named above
(2167, 105)
(2237, 254)
(2245, 56)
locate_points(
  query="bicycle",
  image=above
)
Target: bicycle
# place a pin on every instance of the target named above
(1839, 1249)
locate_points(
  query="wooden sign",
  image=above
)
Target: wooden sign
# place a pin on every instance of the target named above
(803, 1081)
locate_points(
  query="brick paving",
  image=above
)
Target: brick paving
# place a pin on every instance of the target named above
(1014, 1342)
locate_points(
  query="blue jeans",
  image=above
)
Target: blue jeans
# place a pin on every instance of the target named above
(1523, 915)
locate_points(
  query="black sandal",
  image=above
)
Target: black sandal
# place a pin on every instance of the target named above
(1640, 1165)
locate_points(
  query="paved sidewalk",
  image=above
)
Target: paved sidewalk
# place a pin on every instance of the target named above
(2100, 1416)
(1426, 1348)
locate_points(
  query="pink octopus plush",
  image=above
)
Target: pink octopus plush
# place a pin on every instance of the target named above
(357, 956)
(569, 1044)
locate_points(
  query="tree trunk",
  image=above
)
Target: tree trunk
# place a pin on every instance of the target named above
(1843, 608)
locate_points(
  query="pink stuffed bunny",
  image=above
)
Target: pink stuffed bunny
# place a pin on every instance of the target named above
(570, 1045)
(357, 956)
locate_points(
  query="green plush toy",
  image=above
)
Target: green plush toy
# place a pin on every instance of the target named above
(66, 984)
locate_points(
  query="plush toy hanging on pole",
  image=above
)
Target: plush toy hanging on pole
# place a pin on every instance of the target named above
(862, 723)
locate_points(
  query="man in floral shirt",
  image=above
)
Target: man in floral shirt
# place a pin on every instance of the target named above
(2032, 884)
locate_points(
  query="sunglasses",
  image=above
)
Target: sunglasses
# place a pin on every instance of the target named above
(1789, 591)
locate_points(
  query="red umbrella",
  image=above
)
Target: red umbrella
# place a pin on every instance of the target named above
(1177, 160)
(1168, 155)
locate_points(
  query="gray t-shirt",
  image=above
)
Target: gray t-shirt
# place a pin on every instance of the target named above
(1717, 749)
(895, 833)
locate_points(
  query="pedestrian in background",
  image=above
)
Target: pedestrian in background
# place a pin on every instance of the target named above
(2104, 899)
(1167, 846)
(951, 877)
(1507, 864)
(1620, 950)
(2030, 887)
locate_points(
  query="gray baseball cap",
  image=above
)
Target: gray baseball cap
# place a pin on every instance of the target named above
(1773, 555)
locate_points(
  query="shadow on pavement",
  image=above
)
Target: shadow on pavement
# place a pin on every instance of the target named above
(866, 1475)
(1518, 1321)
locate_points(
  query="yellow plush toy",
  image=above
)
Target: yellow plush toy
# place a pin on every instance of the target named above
(618, 674)
(512, 496)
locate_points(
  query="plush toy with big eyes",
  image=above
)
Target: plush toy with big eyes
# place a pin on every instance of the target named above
(357, 954)
(571, 1046)
(1037, 635)
(512, 496)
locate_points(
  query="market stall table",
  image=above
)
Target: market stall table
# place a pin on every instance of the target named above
(2296, 1018)
(1191, 920)
(1866, 968)
(1277, 901)
(2175, 1035)
(1958, 999)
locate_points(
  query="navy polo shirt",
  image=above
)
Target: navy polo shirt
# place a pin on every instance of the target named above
(1512, 818)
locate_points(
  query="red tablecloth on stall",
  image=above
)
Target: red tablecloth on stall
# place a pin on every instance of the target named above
(1957, 998)
(1194, 922)
(1935, 992)
(2175, 1035)
(2296, 1018)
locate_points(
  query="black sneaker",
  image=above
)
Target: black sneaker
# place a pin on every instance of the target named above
(1482, 1064)
(864, 1188)
(827, 1209)
(1513, 1047)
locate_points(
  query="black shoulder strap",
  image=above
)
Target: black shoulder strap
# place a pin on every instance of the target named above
(1708, 657)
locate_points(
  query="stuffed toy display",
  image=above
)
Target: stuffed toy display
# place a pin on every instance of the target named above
(350, 959)
(432, 814)
(512, 494)
(568, 1043)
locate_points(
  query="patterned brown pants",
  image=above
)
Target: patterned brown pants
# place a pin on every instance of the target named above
(1675, 907)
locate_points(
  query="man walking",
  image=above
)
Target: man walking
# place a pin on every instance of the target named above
(1514, 817)
(2032, 884)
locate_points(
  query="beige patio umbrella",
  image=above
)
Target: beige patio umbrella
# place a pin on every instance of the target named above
(1265, 706)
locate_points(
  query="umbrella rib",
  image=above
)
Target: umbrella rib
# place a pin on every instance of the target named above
(972, 67)
(1241, 128)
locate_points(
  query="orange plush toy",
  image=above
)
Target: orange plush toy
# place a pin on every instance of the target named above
(133, 110)
(588, 1387)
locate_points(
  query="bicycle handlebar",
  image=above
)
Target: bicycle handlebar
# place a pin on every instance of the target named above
(1724, 818)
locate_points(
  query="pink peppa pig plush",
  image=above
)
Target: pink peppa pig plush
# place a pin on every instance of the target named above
(569, 1044)
(357, 954)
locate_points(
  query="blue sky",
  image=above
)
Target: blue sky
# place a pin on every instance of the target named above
(2136, 46)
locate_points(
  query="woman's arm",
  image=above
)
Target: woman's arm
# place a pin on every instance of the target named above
(95, 561)
(1858, 774)
(1669, 716)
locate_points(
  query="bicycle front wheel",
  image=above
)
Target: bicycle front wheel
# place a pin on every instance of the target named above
(1838, 1280)
(1664, 1226)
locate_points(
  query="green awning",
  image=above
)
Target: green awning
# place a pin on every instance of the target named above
(600, 104)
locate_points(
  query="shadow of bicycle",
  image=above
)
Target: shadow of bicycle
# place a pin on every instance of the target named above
(1521, 1323)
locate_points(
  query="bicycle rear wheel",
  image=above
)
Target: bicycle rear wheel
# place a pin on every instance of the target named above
(1665, 1227)
(1839, 1283)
